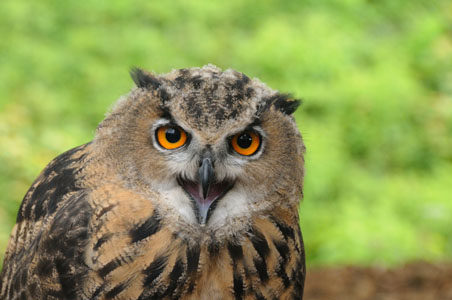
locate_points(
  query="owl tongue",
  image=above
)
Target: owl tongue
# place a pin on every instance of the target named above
(206, 190)
(205, 205)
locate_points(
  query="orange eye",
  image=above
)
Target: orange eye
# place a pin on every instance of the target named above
(171, 137)
(246, 143)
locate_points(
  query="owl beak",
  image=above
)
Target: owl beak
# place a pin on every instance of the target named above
(206, 176)
(206, 191)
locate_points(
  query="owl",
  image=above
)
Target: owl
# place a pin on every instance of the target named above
(189, 190)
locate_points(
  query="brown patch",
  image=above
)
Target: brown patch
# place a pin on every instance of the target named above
(414, 281)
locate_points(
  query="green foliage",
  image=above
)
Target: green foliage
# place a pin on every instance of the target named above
(375, 76)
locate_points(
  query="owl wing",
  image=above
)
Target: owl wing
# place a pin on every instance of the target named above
(80, 234)
(45, 251)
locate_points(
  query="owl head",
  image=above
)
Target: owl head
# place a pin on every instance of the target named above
(207, 147)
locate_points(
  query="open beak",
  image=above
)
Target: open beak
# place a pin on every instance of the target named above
(206, 191)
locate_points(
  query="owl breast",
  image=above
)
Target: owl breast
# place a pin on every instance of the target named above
(144, 257)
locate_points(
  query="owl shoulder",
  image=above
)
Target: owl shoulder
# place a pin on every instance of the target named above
(51, 229)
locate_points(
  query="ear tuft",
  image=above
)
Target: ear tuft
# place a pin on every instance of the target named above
(286, 104)
(144, 79)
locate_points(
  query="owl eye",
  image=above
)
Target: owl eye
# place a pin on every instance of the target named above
(171, 137)
(246, 143)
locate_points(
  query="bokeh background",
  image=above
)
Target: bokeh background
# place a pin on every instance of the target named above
(375, 76)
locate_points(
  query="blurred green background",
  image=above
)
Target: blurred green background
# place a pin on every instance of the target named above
(375, 76)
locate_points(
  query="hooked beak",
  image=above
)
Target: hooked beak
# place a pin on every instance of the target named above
(206, 192)
(206, 176)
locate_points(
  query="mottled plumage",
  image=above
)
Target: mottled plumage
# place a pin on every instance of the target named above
(124, 217)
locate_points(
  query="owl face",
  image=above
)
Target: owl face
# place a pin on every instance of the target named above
(210, 147)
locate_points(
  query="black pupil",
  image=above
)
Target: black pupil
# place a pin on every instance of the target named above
(244, 140)
(172, 135)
